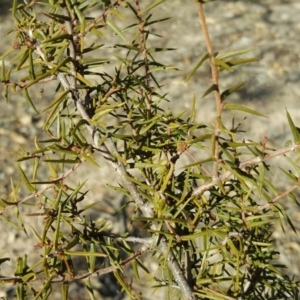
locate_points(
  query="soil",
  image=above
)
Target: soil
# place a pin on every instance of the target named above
(272, 29)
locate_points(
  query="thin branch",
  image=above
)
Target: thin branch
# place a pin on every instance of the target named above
(69, 278)
(53, 181)
(256, 160)
(143, 50)
(47, 187)
(215, 80)
(279, 196)
(249, 162)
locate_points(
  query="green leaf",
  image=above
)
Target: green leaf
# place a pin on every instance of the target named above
(167, 177)
(57, 17)
(61, 161)
(97, 33)
(93, 61)
(134, 47)
(229, 91)
(243, 61)
(29, 276)
(91, 49)
(81, 253)
(286, 216)
(65, 290)
(120, 277)
(7, 53)
(234, 53)
(61, 149)
(90, 289)
(116, 29)
(212, 88)
(158, 49)
(115, 12)
(23, 59)
(162, 68)
(199, 138)
(19, 267)
(233, 249)
(57, 101)
(242, 176)
(53, 115)
(87, 207)
(198, 163)
(27, 97)
(135, 269)
(83, 80)
(193, 110)
(139, 183)
(148, 22)
(29, 186)
(4, 259)
(5, 93)
(89, 159)
(31, 66)
(161, 219)
(11, 224)
(36, 235)
(148, 127)
(234, 106)
(220, 63)
(92, 259)
(153, 5)
(104, 110)
(37, 79)
(7, 203)
(295, 130)
(202, 59)
(294, 164)
(261, 171)
(246, 144)
(58, 37)
(198, 234)
(3, 75)
(261, 223)
(61, 64)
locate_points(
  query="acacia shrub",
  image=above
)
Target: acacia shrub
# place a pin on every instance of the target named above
(205, 223)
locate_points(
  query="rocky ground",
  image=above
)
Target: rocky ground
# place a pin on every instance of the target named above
(271, 27)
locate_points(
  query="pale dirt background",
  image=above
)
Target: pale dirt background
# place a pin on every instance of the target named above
(271, 27)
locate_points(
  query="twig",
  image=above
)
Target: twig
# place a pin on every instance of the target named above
(97, 273)
(215, 81)
(47, 187)
(253, 161)
(278, 197)
(143, 50)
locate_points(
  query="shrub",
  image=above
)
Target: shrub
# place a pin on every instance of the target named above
(207, 224)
